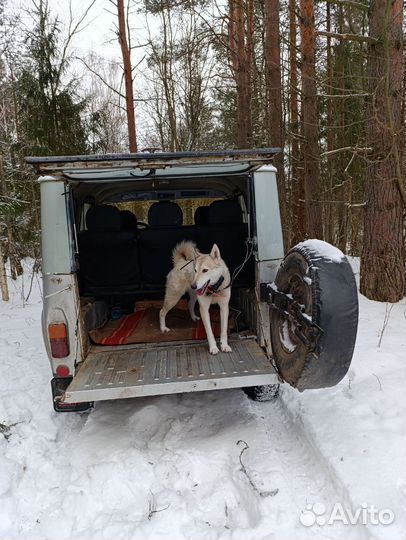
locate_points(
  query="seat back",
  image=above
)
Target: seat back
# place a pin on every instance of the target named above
(129, 221)
(156, 243)
(165, 214)
(225, 227)
(200, 217)
(107, 253)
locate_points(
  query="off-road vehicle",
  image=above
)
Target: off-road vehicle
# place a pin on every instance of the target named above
(109, 225)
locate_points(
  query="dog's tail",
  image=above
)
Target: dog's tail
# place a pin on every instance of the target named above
(184, 252)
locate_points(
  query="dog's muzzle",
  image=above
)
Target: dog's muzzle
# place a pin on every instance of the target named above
(202, 290)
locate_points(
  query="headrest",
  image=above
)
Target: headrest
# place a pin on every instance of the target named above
(129, 220)
(224, 213)
(165, 214)
(201, 215)
(103, 219)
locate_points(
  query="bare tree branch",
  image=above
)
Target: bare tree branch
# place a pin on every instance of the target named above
(347, 37)
(100, 77)
(343, 96)
(349, 3)
(73, 29)
(353, 149)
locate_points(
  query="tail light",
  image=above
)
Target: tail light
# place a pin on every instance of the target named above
(62, 371)
(58, 338)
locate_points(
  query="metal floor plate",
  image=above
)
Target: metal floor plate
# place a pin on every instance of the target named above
(127, 372)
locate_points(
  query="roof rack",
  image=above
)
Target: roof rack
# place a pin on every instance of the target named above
(150, 160)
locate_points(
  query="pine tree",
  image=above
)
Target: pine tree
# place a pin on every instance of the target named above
(49, 107)
(383, 255)
(310, 131)
(275, 119)
(123, 38)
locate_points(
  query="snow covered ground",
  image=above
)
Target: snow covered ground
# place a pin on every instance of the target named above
(207, 465)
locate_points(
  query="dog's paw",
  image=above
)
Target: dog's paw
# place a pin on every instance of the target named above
(165, 329)
(195, 318)
(214, 350)
(226, 348)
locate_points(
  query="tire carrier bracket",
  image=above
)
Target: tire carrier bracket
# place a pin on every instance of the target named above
(305, 329)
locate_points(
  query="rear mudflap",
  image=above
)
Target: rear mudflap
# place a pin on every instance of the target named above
(59, 386)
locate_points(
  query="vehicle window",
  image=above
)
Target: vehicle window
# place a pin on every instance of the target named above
(267, 215)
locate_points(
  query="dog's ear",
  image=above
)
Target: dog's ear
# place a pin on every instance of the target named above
(215, 252)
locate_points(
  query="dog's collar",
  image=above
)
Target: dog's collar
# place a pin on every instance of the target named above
(214, 289)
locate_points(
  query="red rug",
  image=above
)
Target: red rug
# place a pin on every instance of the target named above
(142, 326)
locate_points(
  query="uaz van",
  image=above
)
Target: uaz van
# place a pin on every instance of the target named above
(109, 225)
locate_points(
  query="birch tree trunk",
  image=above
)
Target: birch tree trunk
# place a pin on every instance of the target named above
(3, 278)
(16, 268)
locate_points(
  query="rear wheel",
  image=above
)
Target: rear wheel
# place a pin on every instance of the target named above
(313, 316)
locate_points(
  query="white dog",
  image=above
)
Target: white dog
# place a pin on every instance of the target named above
(207, 279)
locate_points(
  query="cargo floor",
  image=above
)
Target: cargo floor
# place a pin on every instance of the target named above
(114, 372)
(142, 326)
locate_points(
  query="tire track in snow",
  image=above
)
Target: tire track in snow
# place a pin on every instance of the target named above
(305, 470)
(170, 466)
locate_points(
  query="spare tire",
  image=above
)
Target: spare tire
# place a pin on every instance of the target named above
(313, 316)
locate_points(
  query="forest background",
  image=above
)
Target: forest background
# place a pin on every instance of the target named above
(323, 80)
